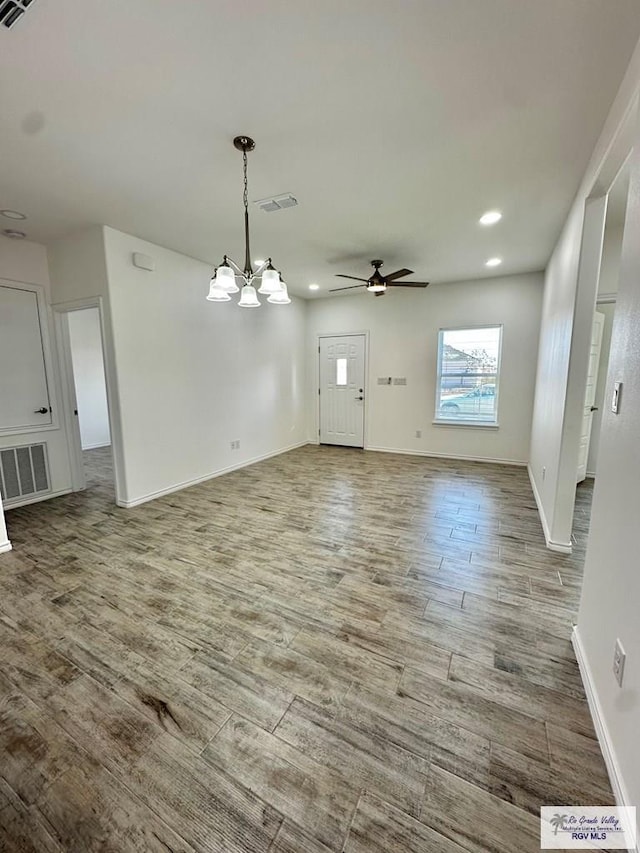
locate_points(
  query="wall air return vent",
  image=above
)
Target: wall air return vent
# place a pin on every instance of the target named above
(12, 10)
(24, 472)
(278, 202)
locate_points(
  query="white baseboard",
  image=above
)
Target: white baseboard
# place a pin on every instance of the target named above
(185, 485)
(44, 496)
(602, 732)
(432, 455)
(560, 547)
(5, 546)
(96, 446)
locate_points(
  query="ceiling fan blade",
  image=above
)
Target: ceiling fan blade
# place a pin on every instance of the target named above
(397, 274)
(351, 287)
(408, 284)
(354, 277)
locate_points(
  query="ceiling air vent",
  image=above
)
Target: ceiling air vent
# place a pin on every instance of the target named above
(278, 202)
(12, 10)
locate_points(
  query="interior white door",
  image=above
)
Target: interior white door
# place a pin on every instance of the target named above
(342, 390)
(590, 394)
(24, 395)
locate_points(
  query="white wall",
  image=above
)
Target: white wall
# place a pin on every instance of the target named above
(193, 376)
(608, 309)
(611, 591)
(565, 331)
(403, 328)
(26, 262)
(88, 372)
(610, 267)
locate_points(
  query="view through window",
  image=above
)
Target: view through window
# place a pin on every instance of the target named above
(468, 371)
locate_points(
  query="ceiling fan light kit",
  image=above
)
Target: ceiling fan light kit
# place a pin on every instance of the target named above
(378, 283)
(223, 282)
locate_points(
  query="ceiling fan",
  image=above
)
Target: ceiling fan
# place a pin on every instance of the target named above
(378, 283)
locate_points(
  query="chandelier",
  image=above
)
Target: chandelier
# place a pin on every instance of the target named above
(223, 282)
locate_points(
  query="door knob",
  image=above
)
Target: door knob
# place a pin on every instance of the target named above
(359, 398)
(41, 411)
(594, 408)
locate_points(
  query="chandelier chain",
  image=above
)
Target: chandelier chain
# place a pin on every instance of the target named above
(245, 195)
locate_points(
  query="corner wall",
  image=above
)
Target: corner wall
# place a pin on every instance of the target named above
(193, 376)
(403, 341)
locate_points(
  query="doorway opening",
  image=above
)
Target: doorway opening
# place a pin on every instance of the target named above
(342, 387)
(86, 399)
(597, 395)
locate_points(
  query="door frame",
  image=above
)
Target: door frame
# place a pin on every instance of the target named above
(61, 312)
(45, 318)
(365, 413)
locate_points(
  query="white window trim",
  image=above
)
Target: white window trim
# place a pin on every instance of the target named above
(458, 422)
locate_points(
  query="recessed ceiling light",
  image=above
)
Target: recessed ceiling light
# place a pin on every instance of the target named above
(13, 214)
(493, 262)
(13, 234)
(490, 217)
(314, 287)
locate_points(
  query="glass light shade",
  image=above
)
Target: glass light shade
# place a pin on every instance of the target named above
(216, 294)
(226, 279)
(376, 287)
(270, 282)
(249, 297)
(281, 297)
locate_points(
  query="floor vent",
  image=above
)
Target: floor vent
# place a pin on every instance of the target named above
(23, 472)
(12, 10)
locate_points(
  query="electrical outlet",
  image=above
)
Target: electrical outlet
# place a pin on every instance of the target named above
(544, 472)
(235, 445)
(619, 658)
(418, 433)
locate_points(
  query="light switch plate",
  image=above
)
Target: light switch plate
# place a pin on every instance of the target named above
(615, 400)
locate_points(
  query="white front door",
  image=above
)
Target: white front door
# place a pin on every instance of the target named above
(342, 390)
(24, 395)
(590, 394)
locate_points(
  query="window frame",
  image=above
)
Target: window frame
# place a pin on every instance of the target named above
(467, 422)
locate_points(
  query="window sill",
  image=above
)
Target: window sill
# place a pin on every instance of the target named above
(466, 424)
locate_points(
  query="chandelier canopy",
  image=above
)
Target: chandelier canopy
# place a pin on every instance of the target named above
(223, 282)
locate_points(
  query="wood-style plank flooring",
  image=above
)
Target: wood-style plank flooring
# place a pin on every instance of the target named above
(328, 651)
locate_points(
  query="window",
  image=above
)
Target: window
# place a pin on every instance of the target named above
(341, 371)
(468, 371)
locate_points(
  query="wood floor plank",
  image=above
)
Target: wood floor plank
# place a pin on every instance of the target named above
(476, 820)
(485, 716)
(413, 726)
(87, 809)
(292, 839)
(210, 810)
(238, 689)
(520, 695)
(312, 795)
(372, 762)
(378, 827)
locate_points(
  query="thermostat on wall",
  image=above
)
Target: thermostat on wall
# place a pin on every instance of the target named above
(143, 262)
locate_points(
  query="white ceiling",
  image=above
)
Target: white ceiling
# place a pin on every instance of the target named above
(395, 123)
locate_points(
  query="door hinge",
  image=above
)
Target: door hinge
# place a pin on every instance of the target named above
(318, 349)
(318, 390)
